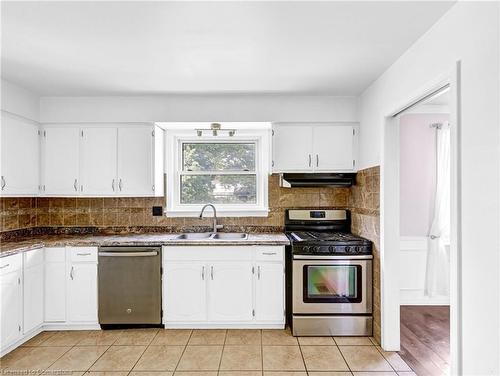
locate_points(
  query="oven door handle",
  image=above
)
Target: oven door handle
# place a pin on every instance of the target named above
(352, 257)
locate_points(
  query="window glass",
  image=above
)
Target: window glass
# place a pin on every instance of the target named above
(218, 157)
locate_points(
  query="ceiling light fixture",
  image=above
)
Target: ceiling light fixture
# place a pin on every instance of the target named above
(215, 129)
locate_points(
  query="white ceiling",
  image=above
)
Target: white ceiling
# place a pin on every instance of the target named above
(134, 48)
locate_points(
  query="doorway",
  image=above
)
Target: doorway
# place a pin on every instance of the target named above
(390, 217)
(424, 273)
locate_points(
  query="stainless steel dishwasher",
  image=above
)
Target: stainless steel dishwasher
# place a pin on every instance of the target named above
(129, 286)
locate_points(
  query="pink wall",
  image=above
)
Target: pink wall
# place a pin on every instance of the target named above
(417, 172)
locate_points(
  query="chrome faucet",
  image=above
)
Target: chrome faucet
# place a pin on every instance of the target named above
(215, 225)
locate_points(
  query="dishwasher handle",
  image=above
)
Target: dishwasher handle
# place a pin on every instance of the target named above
(128, 254)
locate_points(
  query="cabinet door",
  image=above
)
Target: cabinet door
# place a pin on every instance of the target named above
(333, 148)
(184, 291)
(269, 292)
(230, 291)
(292, 148)
(82, 293)
(20, 156)
(98, 161)
(55, 285)
(11, 308)
(33, 297)
(61, 161)
(135, 161)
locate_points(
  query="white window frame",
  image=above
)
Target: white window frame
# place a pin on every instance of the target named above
(175, 138)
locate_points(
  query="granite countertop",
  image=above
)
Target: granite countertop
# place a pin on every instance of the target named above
(23, 244)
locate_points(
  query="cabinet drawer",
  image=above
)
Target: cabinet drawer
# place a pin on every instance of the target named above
(83, 254)
(33, 258)
(55, 254)
(10, 264)
(269, 254)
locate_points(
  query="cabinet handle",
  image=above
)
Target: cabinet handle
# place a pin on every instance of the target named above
(317, 160)
(83, 254)
(258, 272)
(212, 273)
(309, 160)
(113, 185)
(71, 273)
(202, 273)
(120, 184)
(4, 266)
(268, 253)
(75, 185)
(3, 182)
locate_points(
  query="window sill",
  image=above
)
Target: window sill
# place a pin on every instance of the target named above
(220, 213)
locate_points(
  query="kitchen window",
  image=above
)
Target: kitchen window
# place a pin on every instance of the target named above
(230, 172)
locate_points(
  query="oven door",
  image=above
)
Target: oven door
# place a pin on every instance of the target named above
(332, 285)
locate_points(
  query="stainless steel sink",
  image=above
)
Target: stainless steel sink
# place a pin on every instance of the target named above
(194, 236)
(230, 236)
(212, 236)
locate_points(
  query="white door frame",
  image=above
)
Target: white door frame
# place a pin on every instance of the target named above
(389, 220)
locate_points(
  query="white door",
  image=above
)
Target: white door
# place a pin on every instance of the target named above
(55, 284)
(292, 148)
(230, 291)
(20, 156)
(269, 292)
(82, 293)
(11, 308)
(184, 291)
(135, 161)
(98, 161)
(33, 297)
(333, 148)
(61, 161)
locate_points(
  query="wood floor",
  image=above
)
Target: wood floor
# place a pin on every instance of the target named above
(425, 339)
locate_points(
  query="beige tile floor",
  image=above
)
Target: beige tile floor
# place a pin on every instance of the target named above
(158, 352)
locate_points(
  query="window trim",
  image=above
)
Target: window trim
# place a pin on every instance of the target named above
(174, 141)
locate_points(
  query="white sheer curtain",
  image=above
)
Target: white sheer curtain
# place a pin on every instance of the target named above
(438, 261)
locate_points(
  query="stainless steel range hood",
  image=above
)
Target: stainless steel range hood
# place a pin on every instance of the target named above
(317, 180)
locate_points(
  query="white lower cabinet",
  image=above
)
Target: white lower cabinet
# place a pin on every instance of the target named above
(55, 284)
(230, 291)
(11, 300)
(185, 291)
(33, 290)
(82, 292)
(269, 292)
(221, 286)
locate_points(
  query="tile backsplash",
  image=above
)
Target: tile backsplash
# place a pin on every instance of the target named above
(364, 203)
(22, 213)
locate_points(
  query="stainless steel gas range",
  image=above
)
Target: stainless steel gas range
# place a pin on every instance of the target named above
(329, 275)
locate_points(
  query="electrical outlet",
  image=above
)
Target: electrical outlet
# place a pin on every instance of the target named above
(157, 211)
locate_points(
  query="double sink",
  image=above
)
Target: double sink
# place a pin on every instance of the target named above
(212, 236)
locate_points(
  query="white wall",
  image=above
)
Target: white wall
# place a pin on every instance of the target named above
(198, 108)
(20, 101)
(468, 32)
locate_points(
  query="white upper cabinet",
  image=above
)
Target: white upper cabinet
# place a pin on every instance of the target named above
(314, 147)
(98, 161)
(333, 148)
(20, 157)
(292, 145)
(102, 160)
(135, 161)
(61, 161)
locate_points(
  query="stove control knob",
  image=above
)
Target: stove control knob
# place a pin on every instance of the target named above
(347, 249)
(356, 249)
(316, 249)
(305, 249)
(331, 248)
